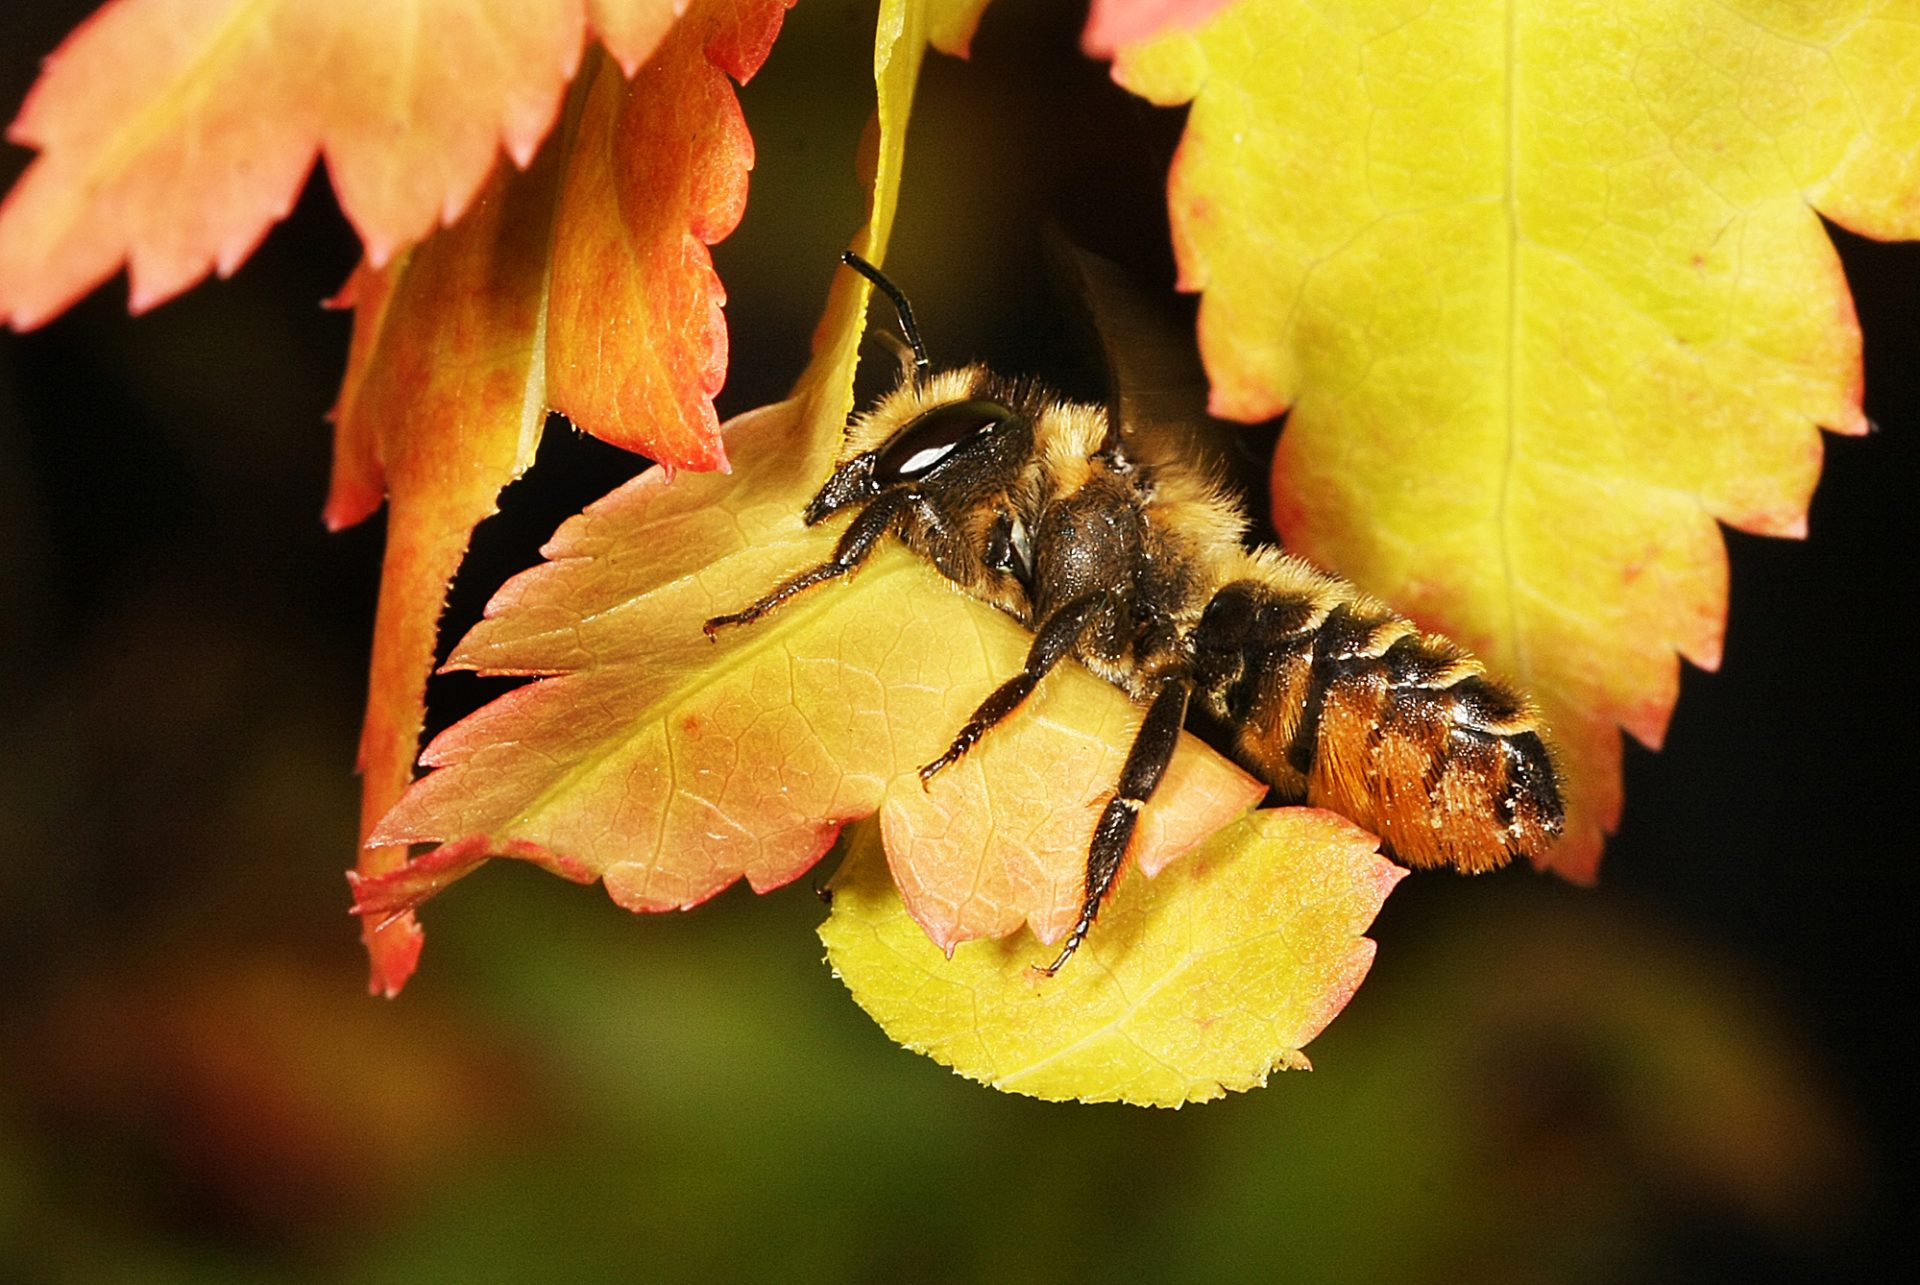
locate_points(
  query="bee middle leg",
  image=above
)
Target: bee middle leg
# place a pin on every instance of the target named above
(1053, 641)
(1147, 761)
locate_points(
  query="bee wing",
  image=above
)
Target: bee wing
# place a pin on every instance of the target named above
(1155, 382)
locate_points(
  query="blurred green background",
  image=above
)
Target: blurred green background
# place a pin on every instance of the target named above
(1698, 1068)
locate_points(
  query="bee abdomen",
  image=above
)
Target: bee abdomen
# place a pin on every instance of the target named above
(1339, 702)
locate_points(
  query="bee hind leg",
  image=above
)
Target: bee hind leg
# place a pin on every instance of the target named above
(1053, 641)
(1147, 761)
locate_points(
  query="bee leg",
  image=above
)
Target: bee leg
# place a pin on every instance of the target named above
(1146, 763)
(858, 541)
(1053, 641)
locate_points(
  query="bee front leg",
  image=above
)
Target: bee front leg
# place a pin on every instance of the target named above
(856, 543)
(1147, 761)
(1053, 641)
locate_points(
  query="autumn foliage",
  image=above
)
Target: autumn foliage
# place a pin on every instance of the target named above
(1545, 295)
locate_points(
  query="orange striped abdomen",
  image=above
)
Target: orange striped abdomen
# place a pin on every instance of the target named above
(1336, 701)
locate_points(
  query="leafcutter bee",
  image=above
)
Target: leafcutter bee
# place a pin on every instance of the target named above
(1115, 548)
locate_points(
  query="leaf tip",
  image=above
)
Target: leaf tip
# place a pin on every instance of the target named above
(142, 299)
(379, 246)
(1575, 858)
(22, 319)
(521, 149)
(348, 506)
(393, 944)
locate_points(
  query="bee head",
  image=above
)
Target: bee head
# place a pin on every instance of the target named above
(925, 447)
(924, 427)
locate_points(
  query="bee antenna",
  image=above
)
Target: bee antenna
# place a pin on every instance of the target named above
(921, 366)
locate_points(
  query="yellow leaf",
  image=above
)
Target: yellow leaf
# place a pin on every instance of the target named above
(951, 23)
(1546, 292)
(1196, 983)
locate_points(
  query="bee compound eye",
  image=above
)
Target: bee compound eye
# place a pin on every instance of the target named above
(936, 436)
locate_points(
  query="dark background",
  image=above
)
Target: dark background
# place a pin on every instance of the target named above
(1701, 1065)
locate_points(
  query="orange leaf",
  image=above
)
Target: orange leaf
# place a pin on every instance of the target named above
(441, 407)
(173, 133)
(632, 29)
(1546, 292)
(669, 766)
(479, 298)
(693, 532)
(657, 172)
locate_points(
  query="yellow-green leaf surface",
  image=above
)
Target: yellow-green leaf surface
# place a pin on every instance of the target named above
(1546, 290)
(1196, 983)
